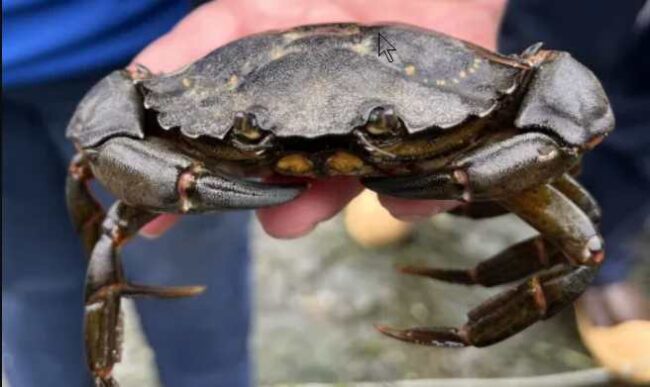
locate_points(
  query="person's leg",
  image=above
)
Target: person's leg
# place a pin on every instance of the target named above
(200, 341)
(43, 265)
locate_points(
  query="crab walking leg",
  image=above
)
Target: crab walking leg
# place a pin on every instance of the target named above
(520, 260)
(154, 174)
(106, 284)
(508, 313)
(573, 190)
(85, 211)
(149, 176)
(497, 170)
(563, 223)
(514, 263)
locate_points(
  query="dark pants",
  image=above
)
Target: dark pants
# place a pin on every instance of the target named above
(605, 36)
(200, 341)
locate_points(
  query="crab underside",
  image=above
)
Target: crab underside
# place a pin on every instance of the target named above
(503, 134)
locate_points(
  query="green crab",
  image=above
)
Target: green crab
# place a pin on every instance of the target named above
(444, 120)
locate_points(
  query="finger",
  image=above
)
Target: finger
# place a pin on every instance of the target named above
(206, 28)
(159, 226)
(263, 15)
(413, 210)
(475, 21)
(323, 200)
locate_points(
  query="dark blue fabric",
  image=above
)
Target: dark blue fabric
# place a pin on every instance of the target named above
(198, 342)
(605, 36)
(45, 39)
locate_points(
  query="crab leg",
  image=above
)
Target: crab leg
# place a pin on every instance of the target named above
(566, 226)
(497, 170)
(152, 175)
(106, 284)
(85, 211)
(514, 263)
(504, 315)
(573, 190)
(520, 260)
(560, 221)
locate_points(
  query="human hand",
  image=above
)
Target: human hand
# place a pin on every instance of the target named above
(217, 23)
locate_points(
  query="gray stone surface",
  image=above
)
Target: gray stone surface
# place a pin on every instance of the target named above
(319, 296)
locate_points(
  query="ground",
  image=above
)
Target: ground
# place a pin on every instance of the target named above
(317, 298)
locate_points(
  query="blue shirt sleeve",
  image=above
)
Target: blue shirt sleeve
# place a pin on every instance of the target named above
(44, 39)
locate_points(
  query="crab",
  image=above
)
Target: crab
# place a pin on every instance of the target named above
(444, 119)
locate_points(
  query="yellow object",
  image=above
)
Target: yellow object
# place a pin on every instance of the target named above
(371, 225)
(295, 163)
(344, 162)
(623, 349)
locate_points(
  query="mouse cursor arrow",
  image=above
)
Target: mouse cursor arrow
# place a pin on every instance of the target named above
(384, 47)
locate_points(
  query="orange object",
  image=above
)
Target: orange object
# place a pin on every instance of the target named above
(371, 225)
(624, 349)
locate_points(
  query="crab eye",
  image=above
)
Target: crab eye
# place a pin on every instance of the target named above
(245, 127)
(382, 121)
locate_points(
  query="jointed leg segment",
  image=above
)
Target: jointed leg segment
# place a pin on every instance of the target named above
(512, 264)
(85, 212)
(538, 298)
(565, 257)
(106, 284)
(493, 171)
(150, 176)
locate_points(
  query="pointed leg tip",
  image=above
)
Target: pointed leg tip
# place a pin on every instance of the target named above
(391, 332)
(465, 277)
(184, 291)
(136, 290)
(411, 270)
(434, 337)
(194, 290)
(418, 271)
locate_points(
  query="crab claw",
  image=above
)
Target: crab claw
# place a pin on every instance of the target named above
(227, 193)
(435, 337)
(425, 186)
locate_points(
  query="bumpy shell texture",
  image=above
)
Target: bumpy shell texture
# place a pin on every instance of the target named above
(326, 79)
